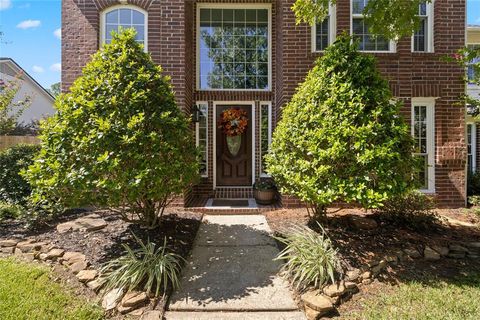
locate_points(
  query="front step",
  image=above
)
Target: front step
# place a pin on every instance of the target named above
(227, 206)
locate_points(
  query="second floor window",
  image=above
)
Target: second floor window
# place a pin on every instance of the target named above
(233, 48)
(324, 31)
(367, 40)
(124, 17)
(422, 38)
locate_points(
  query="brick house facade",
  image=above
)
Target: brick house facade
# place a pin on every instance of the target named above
(429, 87)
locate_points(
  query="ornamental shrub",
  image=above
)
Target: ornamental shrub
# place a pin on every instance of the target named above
(341, 137)
(14, 189)
(414, 211)
(118, 138)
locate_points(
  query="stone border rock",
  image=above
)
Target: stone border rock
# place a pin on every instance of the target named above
(318, 303)
(115, 300)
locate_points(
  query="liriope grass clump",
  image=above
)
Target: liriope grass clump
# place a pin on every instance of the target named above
(149, 268)
(309, 256)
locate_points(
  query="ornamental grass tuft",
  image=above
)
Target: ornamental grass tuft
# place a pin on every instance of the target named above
(310, 259)
(149, 268)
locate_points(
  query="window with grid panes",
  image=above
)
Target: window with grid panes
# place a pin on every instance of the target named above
(125, 18)
(367, 40)
(233, 49)
(421, 143)
(420, 37)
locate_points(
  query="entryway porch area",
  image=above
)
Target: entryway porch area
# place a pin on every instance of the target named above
(222, 203)
(233, 137)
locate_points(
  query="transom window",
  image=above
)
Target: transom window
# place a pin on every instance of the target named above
(125, 18)
(367, 40)
(233, 49)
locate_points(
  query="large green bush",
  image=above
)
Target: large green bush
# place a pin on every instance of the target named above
(13, 187)
(118, 138)
(341, 137)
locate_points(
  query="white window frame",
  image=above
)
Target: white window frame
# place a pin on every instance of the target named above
(197, 135)
(392, 44)
(123, 6)
(429, 103)
(332, 28)
(474, 144)
(269, 104)
(234, 6)
(430, 16)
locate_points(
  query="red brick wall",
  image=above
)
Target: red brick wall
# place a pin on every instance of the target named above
(166, 37)
(410, 75)
(205, 188)
(171, 41)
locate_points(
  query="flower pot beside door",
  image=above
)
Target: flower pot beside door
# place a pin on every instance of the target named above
(265, 191)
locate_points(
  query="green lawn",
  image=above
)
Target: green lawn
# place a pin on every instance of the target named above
(436, 299)
(26, 292)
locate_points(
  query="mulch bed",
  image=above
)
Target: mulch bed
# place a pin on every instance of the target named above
(178, 227)
(359, 247)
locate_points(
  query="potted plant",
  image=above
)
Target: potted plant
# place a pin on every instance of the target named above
(264, 191)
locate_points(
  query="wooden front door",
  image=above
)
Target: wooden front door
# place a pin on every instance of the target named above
(234, 169)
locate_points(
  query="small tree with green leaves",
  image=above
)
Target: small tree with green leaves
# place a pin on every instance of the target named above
(118, 138)
(341, 137)
(55, 89)
(10, 107)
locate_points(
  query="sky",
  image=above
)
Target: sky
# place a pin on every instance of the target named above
(31, 35)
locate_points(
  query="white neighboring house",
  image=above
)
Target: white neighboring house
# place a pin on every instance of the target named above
(41, 100)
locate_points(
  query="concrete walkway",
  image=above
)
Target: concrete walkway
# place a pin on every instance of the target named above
(231, 274)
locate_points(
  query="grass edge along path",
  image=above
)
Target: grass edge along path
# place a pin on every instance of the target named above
(427, 299)
(27, 292)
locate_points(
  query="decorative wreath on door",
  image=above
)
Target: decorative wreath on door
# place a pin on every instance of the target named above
(233, 122)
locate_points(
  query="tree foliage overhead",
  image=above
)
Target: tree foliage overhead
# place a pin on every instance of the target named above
(392, 19)
(341, 137)
(118, 138)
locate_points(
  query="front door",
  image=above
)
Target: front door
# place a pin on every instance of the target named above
(234, 163)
